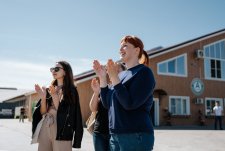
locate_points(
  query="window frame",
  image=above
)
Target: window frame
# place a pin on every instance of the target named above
(176, 72)
(208, 58)
(187, 98)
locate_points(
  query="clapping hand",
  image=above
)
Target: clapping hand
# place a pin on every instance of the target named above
(112, 70)
(95, 86)
(41, 91)
(52, 90)
(99, 69)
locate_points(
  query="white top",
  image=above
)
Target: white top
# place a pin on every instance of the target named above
(125, 76)
(218, 110)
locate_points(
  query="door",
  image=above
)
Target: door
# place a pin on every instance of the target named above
(155, 112)
(156, 108)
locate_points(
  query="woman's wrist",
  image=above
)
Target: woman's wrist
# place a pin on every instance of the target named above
(115, 81)
(43, 99)
(96, 93)
(103, 82)
(96, 97)
(54, 96)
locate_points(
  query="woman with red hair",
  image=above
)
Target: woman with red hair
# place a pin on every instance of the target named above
(131, 98)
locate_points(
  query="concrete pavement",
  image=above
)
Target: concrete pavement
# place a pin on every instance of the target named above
(15, 136)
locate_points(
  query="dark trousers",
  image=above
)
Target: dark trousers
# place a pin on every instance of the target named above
(101, 141)
(218, 118)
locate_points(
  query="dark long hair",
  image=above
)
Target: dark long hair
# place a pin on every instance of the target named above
(136, 42)
(70, 93)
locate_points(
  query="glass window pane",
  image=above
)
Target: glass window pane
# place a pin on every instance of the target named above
(213, 73)
(207, 68)
(213, 64)
(221, 103)
(173, 106)
(218, 74)
(212, 52)
(217, 50)
(213, 102)
(222, 48)
(208, 104)
(178, 105)
(184, 106)
(171, 66)
(218, 69)
(207, 51)
(208, 109)
(162, 68)
(223, 70)
(173, 110)
(172, 101)
(218, 64)
(180, 65)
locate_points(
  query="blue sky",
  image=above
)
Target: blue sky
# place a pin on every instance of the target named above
(36, 34)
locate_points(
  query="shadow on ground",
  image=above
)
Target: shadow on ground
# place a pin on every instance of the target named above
(191, 127)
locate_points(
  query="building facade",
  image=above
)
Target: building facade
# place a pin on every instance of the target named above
(191, 77)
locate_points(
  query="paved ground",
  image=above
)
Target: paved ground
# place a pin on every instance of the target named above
(15, 136)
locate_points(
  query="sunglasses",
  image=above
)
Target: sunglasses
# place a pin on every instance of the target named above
(56, 69)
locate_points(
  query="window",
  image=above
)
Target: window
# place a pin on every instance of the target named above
(179, 105)
(176, 66)
(210, 103)
(214, 61)
(171, 66)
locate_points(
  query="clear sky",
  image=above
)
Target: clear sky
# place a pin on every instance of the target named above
(36, 34)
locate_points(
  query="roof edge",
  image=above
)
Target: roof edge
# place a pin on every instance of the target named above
(184, 43)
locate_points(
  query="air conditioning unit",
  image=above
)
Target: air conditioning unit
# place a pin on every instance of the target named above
(199, 101)
(199, 53)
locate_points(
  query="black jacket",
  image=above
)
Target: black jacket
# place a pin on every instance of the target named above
(69, 120)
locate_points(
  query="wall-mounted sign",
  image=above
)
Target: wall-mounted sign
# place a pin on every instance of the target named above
(197, 86)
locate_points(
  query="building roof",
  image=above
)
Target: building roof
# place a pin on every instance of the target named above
(151, 53)
(167, 49)
(10, 93)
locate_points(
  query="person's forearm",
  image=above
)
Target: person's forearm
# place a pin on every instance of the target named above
(43, 108)
(94, 102)
(103, 82)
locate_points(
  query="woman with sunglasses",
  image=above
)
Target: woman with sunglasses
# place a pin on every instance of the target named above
(130, 100)
(60, 108)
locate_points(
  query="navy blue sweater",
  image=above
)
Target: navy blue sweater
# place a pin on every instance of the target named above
(129, 103)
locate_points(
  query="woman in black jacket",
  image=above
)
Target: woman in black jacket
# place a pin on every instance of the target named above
(59, 112)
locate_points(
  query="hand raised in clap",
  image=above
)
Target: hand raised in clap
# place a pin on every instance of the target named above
(41, 91)
(112, 70)
(95, 86)
(99, 69)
